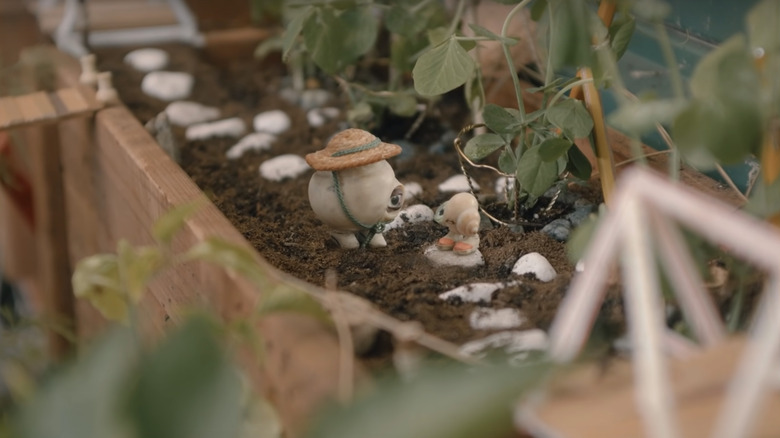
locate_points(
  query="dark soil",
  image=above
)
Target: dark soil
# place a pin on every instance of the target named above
(277, 220)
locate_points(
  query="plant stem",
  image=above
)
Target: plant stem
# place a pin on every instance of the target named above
(677, 87)
(456, 18)
(510, 62)
(563, 90)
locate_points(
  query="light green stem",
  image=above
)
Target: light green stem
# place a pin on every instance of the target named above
(456, 19)
(563, 90)
(677, 87)
(510, 62)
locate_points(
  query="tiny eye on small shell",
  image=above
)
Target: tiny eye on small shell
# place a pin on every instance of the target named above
(396, 198)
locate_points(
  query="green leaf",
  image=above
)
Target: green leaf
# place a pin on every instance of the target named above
(728, 74)
(229, 255)
(579, 165)
(534, 174)
(96, 279)
(620, 33)
(442, 68)
(187, 388)
(764, 200)
(403, 50)
(483, 145)
(293, 29)
(457, 402)
(287, 299)
(507, 162)
(652, 10)
(84, 399)
(402, 104)
(499, 119)
(138, 266)
(438, 35)
(580, 238)
(538, 9)
(270, 45)
(641, 117)
(402, 20)
(337, 39)
(570, 39)
(167, 225)
(763, 22)
(483, 32)
(571, 116)
(553, 148)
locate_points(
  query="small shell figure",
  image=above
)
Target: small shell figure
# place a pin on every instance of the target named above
(461, 215)
(354, 191)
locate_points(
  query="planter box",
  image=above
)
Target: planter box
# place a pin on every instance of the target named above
(109, 180)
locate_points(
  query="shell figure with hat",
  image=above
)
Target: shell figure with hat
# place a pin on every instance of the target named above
(354, 190)
(461, 215)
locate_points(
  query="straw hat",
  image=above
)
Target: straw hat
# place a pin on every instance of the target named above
(351, 148)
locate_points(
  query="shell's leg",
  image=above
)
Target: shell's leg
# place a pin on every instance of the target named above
(345, 240)
(466, 244)
(447, 242)
(377, 241)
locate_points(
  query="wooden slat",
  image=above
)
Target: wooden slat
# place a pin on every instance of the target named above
(119, 14)
(601, 403)
(41, 107)
(10, 113)
(36, 107)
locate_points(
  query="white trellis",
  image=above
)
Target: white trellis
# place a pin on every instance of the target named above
(640, 225)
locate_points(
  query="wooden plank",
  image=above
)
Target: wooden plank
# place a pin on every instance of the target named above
(119, 14)
(10, 113)
(596, 402)
(36, 107)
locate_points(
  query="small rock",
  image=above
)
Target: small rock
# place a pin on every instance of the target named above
(167, 85)
(519, 343)
(449, 258)
(319, 116)
(283, 166)
(186, 113)
(233, 127)
(456, 184)
(474, 292)
(535, 263)
(411, 215)
(274, 121)
(147, 60)
(559, 229)
(290, 95)
(495, 319)
(160, 128)
(256, 141)
(413, 189)
(314, 98)
(579, 215)
(503, 185)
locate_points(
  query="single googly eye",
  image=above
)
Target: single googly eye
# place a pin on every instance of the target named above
(396, 198)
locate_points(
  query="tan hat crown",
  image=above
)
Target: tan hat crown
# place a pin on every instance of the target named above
(351, 148)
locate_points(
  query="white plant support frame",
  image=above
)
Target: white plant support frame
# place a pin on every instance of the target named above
(69, 40)
(640, 223)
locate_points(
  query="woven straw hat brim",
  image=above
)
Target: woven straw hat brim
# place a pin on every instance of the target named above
(323, 159)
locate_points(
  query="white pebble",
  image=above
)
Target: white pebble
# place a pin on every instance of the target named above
(535, 263)
(474, 292)
(495, 319)
(186, 113)
(512, 342)
(167, 85)
(413, 189)
(147, 60)
(283, 166)
(504, 184)
(274, 121)
(411, 215)
(233, 127)
(256, 141)
(314, 98)
(319, 116)
(456, 184)
(449, 258)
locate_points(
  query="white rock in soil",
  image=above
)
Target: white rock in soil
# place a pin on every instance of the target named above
(449, 258)
(319, 116)
(186, 113)
(147, 60)
(495, 319)
(283, 166)
(233, 127)
(256, 141)
(456, 184)
(314, 98)
(517, 343)
(274, 122)
(474, 292)
(411, 215)
(535, 263)
(167, 85)
(412, 189)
